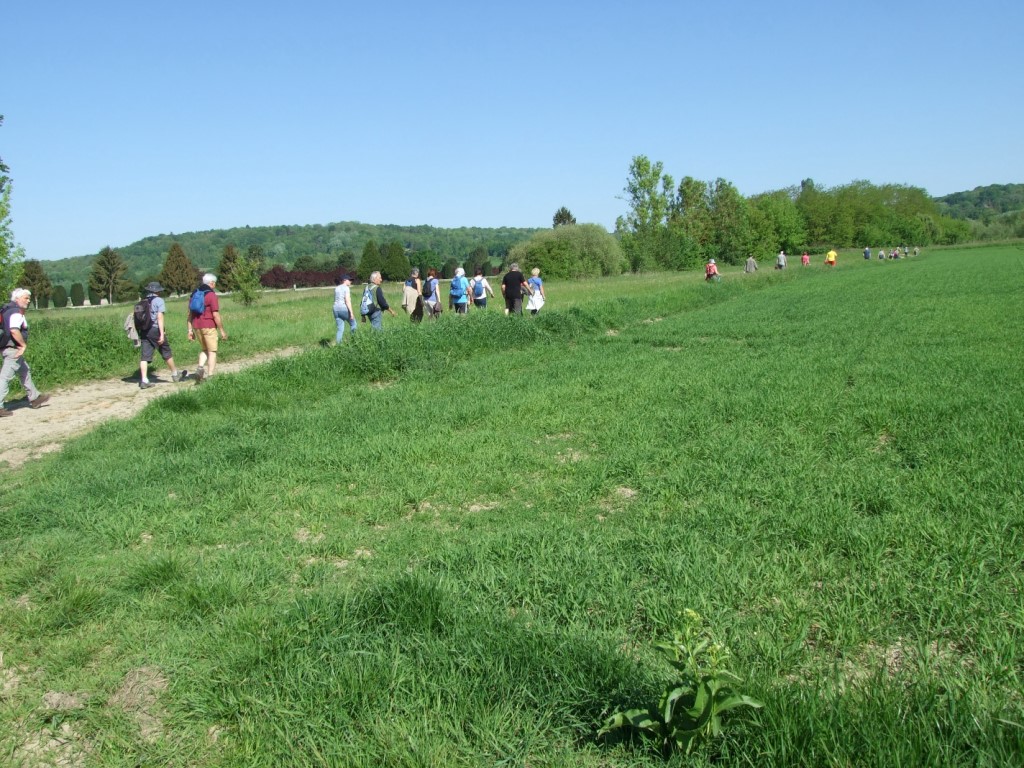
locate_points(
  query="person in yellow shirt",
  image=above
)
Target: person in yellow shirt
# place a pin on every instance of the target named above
(830, 258)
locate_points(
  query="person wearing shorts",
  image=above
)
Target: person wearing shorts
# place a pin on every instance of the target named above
(205, 327)
(155, 339)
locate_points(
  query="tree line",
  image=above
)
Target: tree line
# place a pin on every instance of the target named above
(671, 226)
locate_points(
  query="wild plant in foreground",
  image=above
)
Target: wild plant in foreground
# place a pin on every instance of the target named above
(690, 710)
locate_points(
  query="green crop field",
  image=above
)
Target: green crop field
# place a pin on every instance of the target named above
(459, 543)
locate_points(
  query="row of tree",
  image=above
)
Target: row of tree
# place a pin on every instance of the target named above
(678, 227)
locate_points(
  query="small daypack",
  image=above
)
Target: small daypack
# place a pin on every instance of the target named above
(366, 306)
(428, 287)
(478, 288)
(5, 323)
(197, 303)
(143, 316)
(457, 289)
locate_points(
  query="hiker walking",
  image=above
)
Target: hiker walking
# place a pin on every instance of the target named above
(513, 285)
(14, 342)
(343, 314)
(374, 305)
(204, 323)
(479, 287)
(458, 292)
(149, 322)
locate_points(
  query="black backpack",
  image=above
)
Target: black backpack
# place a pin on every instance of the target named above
(5, 323)
(143, 314)
(428, 288)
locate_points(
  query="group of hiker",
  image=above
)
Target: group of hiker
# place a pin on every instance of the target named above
(422, 296)
(147, 328)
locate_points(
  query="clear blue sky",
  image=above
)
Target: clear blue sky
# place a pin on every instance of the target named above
(128, 119)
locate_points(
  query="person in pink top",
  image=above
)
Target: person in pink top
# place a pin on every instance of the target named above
(805, 258)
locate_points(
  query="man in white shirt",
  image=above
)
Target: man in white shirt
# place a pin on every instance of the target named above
(14, 335)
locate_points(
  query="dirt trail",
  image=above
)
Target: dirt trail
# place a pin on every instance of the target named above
(31, 432)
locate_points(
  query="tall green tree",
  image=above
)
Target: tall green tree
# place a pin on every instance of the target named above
(37, 281)
(12, 255)
(179, 274)
(370, 261)
(650, 195)
(775, 223)
(346, 261)
(247, 281)
(107, 276)
(731, 236)
(562, 217)
(257, 258)
(77, 295)
(396, 263)
(229, 261)
(59, 296)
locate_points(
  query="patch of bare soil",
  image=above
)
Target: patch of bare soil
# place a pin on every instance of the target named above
(139, 696)
(74, 410)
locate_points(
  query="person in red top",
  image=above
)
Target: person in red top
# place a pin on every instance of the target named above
(711, 271)
(204, 326)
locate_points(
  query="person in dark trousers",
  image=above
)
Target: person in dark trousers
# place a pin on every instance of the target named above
(513, 285)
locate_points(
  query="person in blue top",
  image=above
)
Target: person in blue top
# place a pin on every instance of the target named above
(537, 295)
(459, 291)
(155, 339)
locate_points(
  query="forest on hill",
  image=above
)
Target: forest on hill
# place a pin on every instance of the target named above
(319, 244)
(983, 203)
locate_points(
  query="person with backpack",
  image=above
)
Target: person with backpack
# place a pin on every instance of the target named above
(711, 272)
(479, 288)
(431, 300)
(13, 343)
(374, 305)
(149, 322)
(459, 292)
(204, 323)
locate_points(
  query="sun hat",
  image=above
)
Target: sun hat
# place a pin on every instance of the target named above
(154, 287)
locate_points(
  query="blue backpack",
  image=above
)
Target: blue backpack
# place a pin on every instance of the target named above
(478, 288)
(197, 304)
(458, 289)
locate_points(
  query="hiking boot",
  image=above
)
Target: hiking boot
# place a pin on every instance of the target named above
(200, 375)
(41, 400)
(144, 385)
(5, 412)
(179, 375)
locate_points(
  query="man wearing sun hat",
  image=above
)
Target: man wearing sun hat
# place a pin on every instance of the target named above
(156, 338)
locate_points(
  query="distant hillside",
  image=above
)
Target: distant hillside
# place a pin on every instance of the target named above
(983, 202)
(284, 244)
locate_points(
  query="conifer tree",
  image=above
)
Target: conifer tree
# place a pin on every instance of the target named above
(36, 280)
(179, 274)
(396, 263)
(370, 261)
(77, 294)
(227, 279)
(107, 277)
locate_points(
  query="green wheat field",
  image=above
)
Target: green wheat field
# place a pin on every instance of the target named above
(457, 544)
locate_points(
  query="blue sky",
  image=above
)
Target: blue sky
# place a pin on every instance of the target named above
(128, 119)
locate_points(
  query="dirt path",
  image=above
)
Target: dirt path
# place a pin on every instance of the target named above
(32, 432)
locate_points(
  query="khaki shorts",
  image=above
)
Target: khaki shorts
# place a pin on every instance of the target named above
(207, 339)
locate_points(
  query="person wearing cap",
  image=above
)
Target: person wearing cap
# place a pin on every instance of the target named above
(15, 334)
(711, 272)
(204, 327)
(156, 338)
(343, 314)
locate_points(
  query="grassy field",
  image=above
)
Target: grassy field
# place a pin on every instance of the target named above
(457, 544)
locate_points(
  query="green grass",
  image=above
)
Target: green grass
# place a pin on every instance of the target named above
(455, 544)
